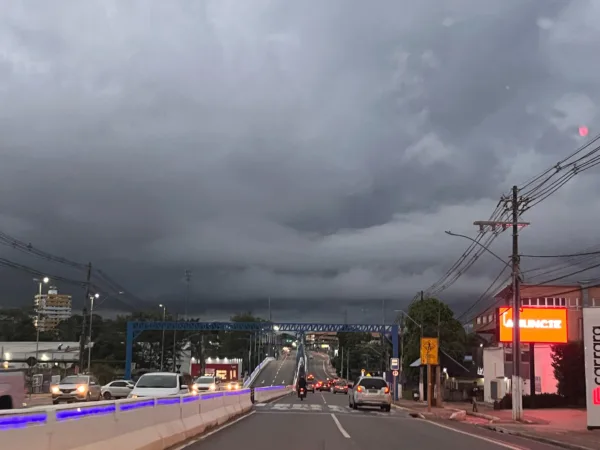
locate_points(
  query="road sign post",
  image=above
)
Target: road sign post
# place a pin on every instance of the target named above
(429, 357)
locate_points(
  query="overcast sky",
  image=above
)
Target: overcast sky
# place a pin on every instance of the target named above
(312, 150)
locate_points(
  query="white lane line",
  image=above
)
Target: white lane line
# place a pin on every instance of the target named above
(483, 438)
(323, 397)
(201, 438)
(340, 427)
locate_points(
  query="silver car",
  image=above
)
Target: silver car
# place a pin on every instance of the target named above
(76, 388)
(117, 389)
(370, 391)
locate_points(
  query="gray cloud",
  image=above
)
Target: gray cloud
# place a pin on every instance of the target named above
(312, 150)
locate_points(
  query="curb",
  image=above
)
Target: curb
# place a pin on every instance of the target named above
(536, 438)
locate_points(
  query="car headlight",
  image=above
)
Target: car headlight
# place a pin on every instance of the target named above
(132, 396)
(81, 389)
(213, 387)
(194, 387)
(55, 390)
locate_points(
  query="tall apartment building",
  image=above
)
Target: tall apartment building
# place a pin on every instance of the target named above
(51, 308)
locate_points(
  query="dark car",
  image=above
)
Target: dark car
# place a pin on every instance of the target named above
(324, 386)
(341, 387)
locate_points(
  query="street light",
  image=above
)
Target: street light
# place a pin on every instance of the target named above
(162, 350)
(402, 351)
(40, 282)
(92, 298)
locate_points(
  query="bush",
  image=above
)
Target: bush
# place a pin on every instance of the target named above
(540, 401)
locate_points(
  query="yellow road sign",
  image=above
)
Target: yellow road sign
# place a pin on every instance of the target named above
(429, 351)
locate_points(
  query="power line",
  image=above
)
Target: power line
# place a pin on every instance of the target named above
(485, 293)
(562, 256)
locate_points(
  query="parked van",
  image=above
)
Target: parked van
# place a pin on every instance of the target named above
(12, 390)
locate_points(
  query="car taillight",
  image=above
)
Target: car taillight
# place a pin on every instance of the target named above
(360, 389)
(386, 390)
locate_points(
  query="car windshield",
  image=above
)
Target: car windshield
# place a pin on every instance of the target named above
(205, 380)
(373, 383)
(74, 380)
(340, 383)
(157, 381)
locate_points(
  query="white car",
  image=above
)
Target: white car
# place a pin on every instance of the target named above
(207, 383)
(117, 389)
(160, 384)
(370, 391)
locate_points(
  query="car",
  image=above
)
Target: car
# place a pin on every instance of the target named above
(117, 389)
(12, 390)
(324, 386)
(76, 388)
(370, 391)
(161, 384)
(310, 387)
(233, 385)
(207, 383)
(341, 387)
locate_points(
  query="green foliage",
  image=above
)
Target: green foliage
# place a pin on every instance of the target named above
(365, 352)
(435, 317)
(109, 337)
(568, 362)
(538, 401)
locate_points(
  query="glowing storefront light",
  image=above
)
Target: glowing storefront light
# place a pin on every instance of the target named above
(542, 325)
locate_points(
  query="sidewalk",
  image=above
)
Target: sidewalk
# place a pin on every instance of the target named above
(565, 428)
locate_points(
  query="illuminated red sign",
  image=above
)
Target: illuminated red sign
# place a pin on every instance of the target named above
(543, 325)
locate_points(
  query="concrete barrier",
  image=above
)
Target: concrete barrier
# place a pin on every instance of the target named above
(134, 424)
(269, 393)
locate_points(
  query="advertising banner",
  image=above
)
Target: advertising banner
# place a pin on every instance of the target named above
(591, 341)
(537, 325)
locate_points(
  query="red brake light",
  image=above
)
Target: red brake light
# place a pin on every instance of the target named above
(386, 390)
(360, 389)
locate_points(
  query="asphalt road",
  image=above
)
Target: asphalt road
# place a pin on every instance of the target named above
(325, 422)
(317, 366)
(278, 372)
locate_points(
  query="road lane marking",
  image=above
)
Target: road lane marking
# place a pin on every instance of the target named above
(483, 438)
(340, 427)
(323, 397)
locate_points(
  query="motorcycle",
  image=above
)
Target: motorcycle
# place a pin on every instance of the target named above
(302, 394)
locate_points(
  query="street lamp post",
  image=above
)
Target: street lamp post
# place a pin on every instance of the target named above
(162, 351)
(402, 350)
(44, 280)
(89, 364)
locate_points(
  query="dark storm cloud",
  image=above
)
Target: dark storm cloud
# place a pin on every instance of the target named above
(298, 150)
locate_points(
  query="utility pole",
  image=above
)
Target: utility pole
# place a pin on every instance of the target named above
(401, 383)
(438, 380)
(188, 279)
(517, 382)
(82, 338)
(270, 334)
(175, 345)
(342, 362)
(421, 368)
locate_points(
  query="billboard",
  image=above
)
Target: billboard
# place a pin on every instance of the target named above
(537, 325)
(591, 341)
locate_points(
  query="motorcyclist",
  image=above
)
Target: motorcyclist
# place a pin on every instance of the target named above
(301, 384)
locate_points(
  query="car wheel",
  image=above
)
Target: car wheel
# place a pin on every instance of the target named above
(55, 402)
(107, 396)
(88, 397)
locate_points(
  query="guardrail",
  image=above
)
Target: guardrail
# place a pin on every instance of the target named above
(257, 370)
(133, 424)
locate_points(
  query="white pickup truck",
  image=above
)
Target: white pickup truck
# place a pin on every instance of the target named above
(12, 390)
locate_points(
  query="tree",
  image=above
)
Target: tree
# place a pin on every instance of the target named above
(436, 318)
(568, 362)
(357, 354)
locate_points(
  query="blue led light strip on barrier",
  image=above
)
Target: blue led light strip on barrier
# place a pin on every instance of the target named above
(168, 401)
(269, 388)
(22, 421)
(193, 398)
(209, 396)
(69, 414)
(138, 405)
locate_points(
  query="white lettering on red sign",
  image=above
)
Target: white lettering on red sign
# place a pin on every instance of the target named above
(534, 323)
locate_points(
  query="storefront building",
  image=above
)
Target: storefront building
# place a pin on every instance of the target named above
(550, 315)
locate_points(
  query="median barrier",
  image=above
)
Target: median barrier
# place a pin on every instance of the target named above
(134, 424)
(268, 393)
